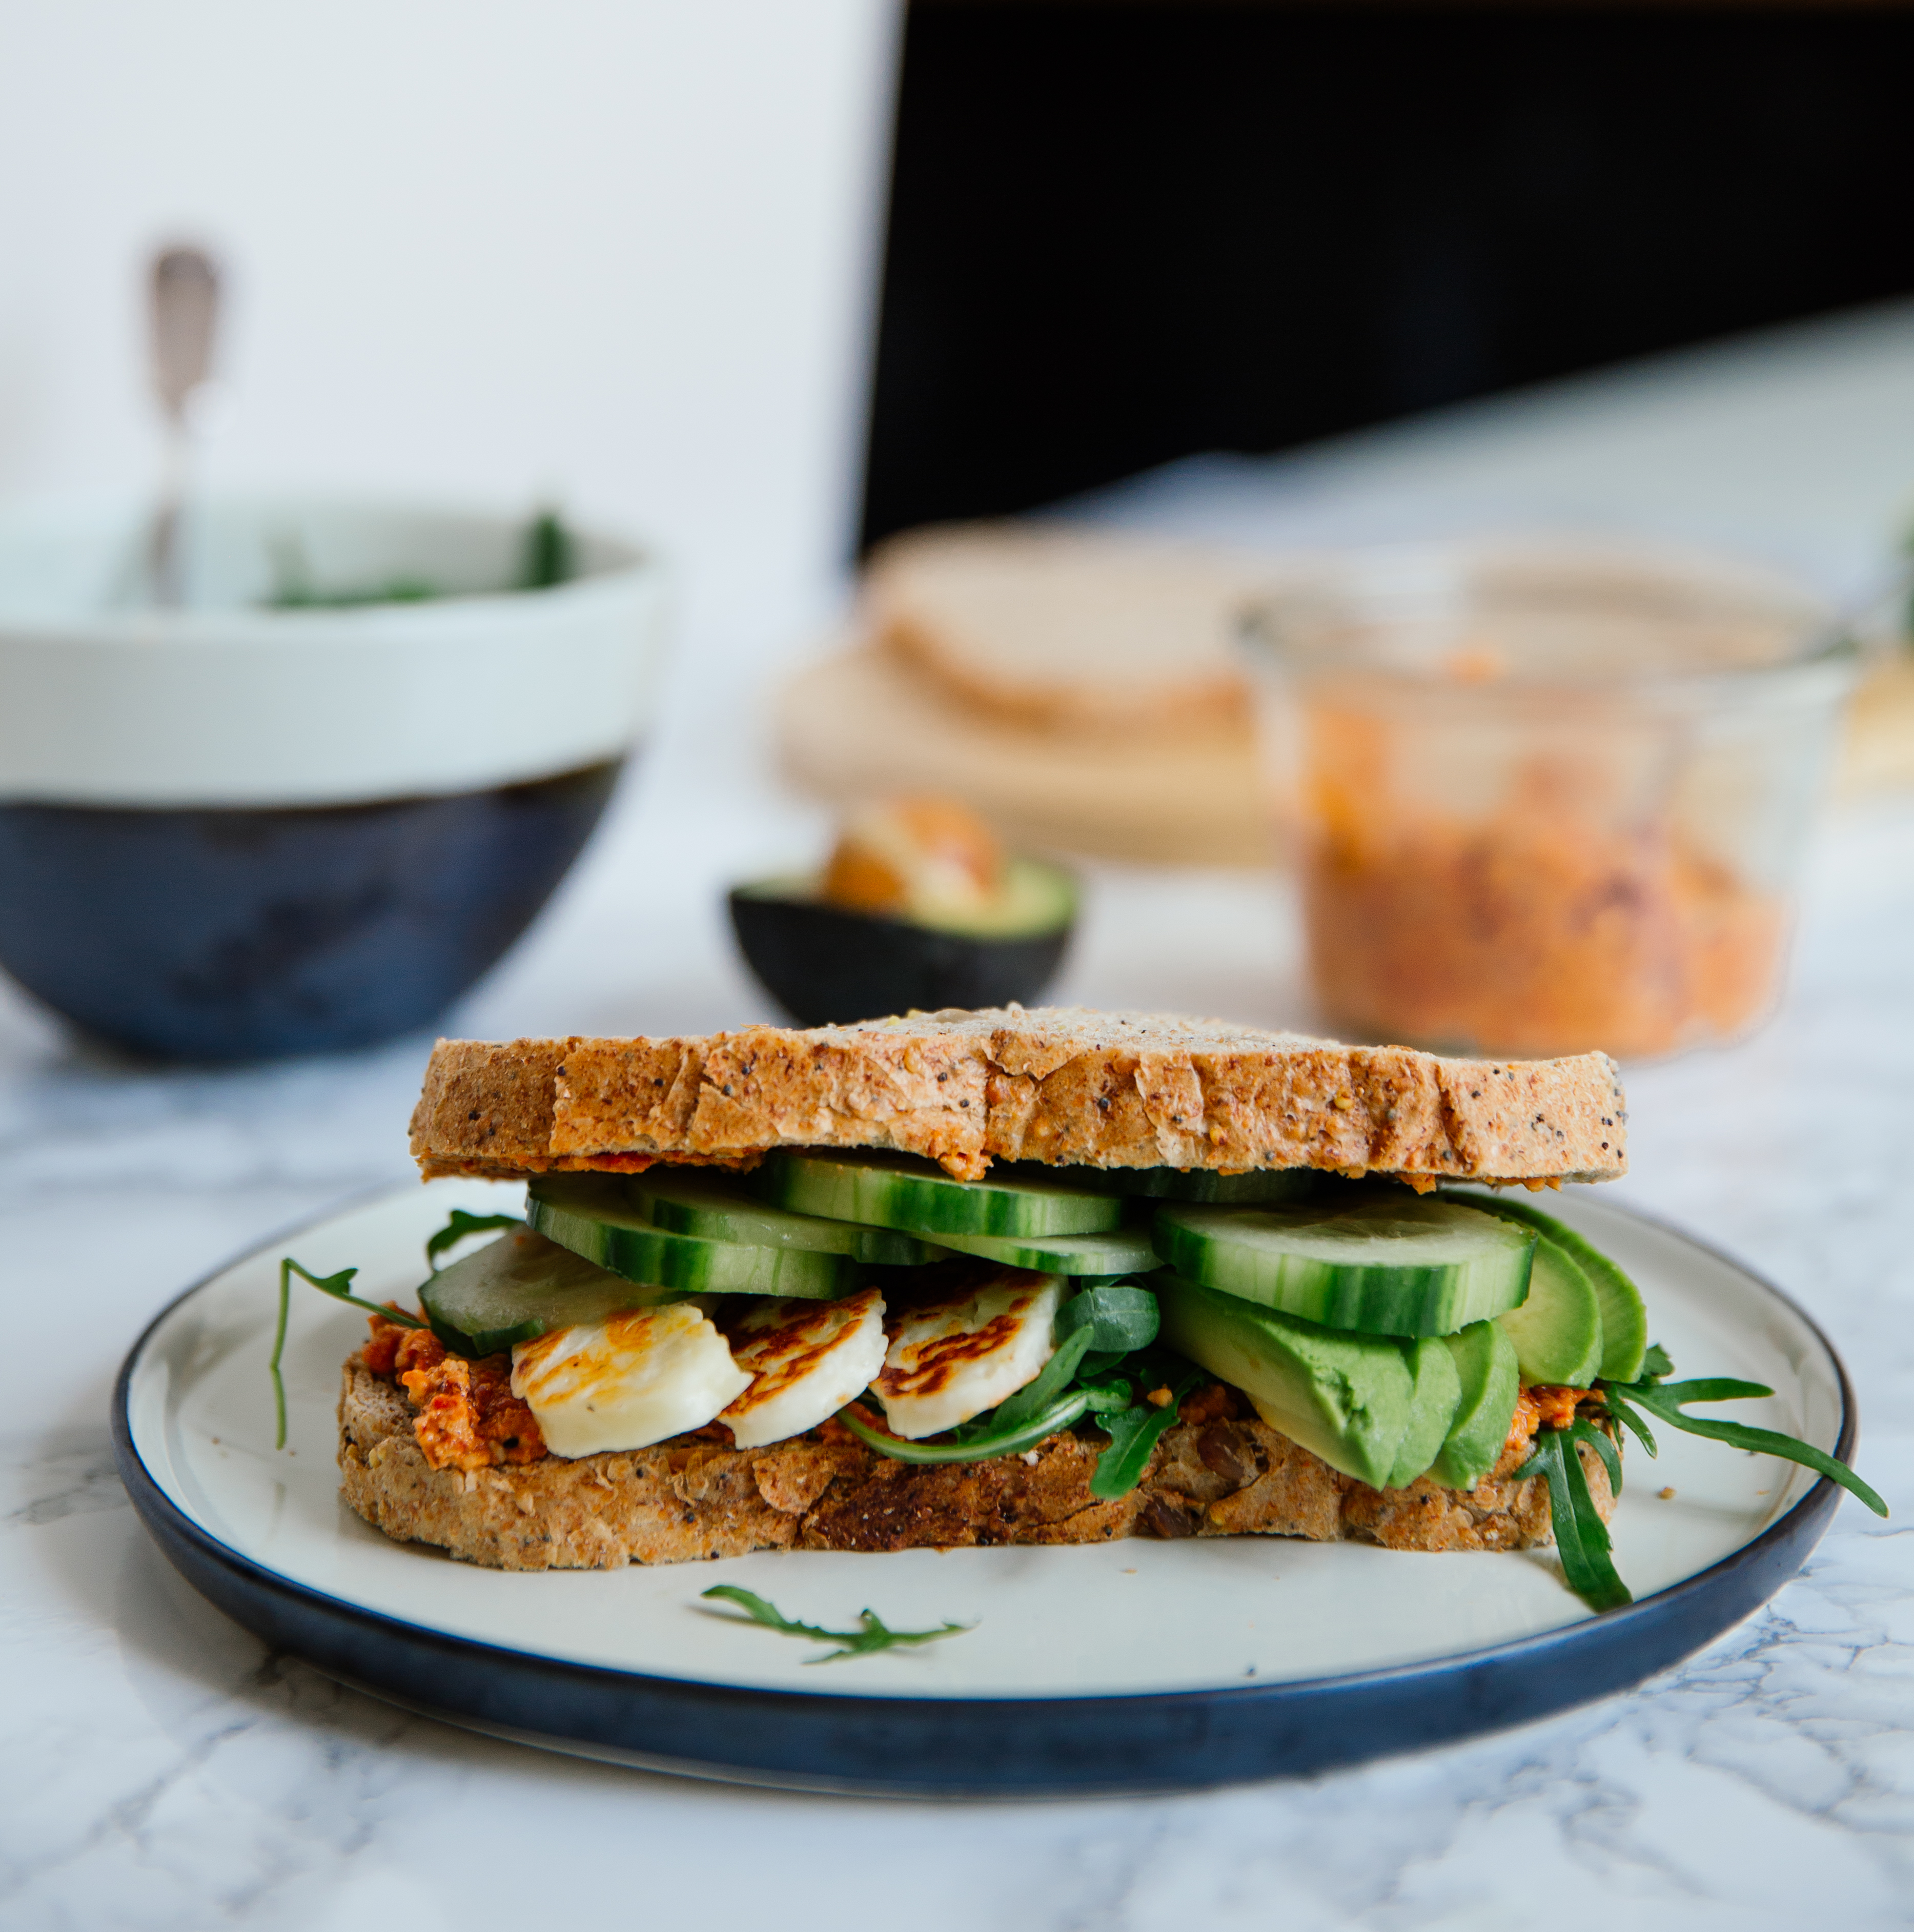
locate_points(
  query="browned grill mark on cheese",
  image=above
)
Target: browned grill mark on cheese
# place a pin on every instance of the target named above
(1060, 1085)
(935, 1363)
(786, 1351)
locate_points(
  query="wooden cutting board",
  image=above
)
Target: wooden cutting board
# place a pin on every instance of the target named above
(863, 723)
(1877, 754)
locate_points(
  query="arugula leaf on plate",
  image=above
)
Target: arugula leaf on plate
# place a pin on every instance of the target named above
(872, 1634)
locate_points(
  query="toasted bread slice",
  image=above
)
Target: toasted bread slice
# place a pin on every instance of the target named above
(1067, 628)
(689, 1498)
(1063, 1085)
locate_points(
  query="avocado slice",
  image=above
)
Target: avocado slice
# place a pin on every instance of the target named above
(1625, 1318)
(1491, 1382)
(1437, 1389)
(827, 964)
(1347, 1397)
(1558, 1331)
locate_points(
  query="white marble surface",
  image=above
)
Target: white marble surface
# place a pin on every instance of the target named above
(161, 1769)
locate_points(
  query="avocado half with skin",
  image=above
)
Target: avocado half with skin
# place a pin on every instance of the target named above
(827, 965)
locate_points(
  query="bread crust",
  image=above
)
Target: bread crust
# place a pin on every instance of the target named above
(1068, 629)
(1063, 1085)
(689, 1499)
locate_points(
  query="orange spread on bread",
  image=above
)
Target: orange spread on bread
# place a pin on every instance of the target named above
(468, 1417)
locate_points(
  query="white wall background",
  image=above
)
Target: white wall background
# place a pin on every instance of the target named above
(621, 251)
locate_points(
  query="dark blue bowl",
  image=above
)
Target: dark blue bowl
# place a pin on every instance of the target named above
(251, 824)
(220, 933)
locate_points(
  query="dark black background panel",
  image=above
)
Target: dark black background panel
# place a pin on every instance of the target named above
(1123, 233)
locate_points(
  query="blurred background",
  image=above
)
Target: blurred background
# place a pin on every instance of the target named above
(1122, 234)
(625, 256)
(1209, 295)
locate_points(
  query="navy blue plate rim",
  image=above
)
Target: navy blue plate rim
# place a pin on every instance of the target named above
(1131, 1743)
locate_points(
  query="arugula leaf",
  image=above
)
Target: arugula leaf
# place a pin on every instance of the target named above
(873, 1634)
(1110, 1327)
(334, 1285)
(1626, 1416)
(1134, 1434)
(1051, 1380)
(549, 551)
(1108, 1398)
(1581, 1537)
(1664, 1401)
(1655, 1363)
(460, 1225)
(1121, 1315)
(1581, 1429)
(988, 1441)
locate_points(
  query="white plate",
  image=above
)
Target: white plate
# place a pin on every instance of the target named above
(1109, 1621)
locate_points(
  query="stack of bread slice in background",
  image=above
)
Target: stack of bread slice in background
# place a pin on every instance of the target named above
(1080, 688)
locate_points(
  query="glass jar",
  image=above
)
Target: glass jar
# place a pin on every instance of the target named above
(1545, 797)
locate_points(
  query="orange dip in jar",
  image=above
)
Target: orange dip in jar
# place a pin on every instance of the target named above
(1557, 811)
(1530, 932)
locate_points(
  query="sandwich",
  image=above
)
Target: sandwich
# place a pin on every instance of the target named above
(1010, 1277)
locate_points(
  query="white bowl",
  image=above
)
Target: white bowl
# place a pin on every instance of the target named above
(233, 829)
(230, 701)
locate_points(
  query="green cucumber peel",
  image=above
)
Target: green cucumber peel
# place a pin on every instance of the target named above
(1667, 1401)
(1581, 1540)
(872, 1634)
(460, 1225)
(336, 1285)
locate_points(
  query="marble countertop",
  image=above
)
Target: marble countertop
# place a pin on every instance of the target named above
(164, 1769)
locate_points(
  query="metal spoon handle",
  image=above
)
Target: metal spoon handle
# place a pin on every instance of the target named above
(185, 318)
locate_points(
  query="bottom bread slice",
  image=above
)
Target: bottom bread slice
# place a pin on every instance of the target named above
(690, 1499)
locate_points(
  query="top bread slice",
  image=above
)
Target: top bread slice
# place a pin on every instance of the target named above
(1069, 629)
(1062, 1085)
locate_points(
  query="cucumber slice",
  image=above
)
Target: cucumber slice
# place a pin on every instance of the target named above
(1558, 1331)
(592, 1215)
(715, 1210)
(1437, 1388)
(1625, 1318)
(1388, 1264)
(1346, 1397)
(1490, 1383)
(520, 1286)
(1263, 1186)
(1127, 1251)
(1173, 1183)
(898, 1190)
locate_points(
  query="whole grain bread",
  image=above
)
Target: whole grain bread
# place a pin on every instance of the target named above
(1062, 1085)
(1068, 628)
(689, 1498)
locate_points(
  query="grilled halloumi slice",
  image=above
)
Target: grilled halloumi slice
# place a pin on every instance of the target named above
(627, 1381)
(806, 1359)
(952, 1358)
